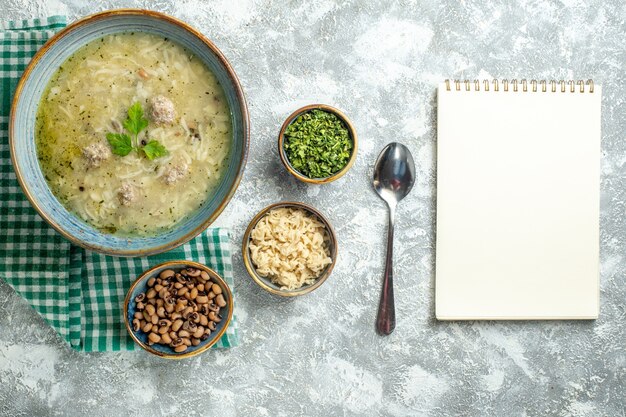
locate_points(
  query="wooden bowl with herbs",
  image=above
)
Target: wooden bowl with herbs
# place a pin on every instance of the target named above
(317, 144)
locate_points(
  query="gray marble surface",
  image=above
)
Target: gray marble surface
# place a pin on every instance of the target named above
(319, 355)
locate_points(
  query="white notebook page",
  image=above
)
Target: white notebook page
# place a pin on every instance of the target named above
(518, 196)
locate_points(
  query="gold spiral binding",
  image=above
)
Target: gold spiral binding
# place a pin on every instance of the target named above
(535, 86)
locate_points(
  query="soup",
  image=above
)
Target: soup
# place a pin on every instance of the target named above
(133, 133)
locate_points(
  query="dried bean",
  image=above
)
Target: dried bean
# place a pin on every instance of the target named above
(216, 289)
(154, 338)
(180, 348)
(166, 274)
(187, 311)
(192, 272)
(199, 332)
(150, 309)
(220, 300)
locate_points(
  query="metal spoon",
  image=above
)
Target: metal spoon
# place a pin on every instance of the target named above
(394, 175)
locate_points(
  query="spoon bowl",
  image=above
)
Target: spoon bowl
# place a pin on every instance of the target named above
(394, 176)
(394, 173)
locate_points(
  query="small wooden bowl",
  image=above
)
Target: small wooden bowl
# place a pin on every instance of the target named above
(140, 285)
(266, 283)
(285, 159)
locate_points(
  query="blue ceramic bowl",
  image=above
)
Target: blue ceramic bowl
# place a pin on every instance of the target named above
(141, 286)
(22, 129)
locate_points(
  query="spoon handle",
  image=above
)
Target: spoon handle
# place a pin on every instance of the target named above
(386, 319)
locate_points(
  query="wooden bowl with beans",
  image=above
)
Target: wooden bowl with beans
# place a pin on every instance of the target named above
(178, 309)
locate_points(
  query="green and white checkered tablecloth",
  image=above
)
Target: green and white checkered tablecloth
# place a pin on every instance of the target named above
(80, 293)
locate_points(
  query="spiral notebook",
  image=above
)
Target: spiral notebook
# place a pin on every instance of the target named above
(518, 197)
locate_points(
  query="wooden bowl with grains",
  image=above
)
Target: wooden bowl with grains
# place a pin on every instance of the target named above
(289, 249)
(178, 309)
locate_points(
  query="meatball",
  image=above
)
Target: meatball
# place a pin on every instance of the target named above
(175, 173)
(127, 194)
(162, 110)
(96, 153)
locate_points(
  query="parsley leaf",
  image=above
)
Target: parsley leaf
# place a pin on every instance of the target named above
(135, 122)
(154, 149)
(120, 143)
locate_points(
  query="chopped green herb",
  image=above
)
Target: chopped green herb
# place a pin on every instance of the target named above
(318, 144)
(122, 144)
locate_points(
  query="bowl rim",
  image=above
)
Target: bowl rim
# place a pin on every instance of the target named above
(175, 264)
(285, 160)
(245, 250)
(238, 91)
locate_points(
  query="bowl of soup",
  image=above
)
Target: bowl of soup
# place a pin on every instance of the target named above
(129, 132)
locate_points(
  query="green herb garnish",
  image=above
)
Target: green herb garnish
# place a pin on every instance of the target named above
(154, 149)
(318, 144)
(122, 143)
